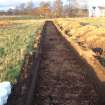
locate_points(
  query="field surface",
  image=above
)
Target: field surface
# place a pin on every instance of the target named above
(87, 32)
(45, 67)
(60, 78)
(17, 38)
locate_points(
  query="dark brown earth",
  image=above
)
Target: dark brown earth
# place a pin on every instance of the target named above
(61, 77)
(20, 90)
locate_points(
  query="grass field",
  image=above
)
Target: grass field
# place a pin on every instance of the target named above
(17, 38)
(87, 32)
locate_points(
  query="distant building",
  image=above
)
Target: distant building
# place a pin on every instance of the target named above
(96, 11)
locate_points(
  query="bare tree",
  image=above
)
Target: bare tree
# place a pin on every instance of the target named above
(69, 7)
(66, 11)
(58, 8)
(44, 4)
(22, 6)
(45, 9)
(73, 7)
(29, 5)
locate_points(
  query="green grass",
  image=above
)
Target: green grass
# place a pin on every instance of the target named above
(20, 17)
(15, 42)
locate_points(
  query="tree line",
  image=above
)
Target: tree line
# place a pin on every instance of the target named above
(47, 9)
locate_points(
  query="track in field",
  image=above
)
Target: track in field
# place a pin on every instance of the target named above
(54, 76)
(61, 77)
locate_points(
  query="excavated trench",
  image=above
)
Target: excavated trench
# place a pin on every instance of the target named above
(56, 75)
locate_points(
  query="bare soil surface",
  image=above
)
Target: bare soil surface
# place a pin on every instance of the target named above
(62, 79)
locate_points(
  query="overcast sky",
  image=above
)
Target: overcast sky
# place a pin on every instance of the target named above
(5, 4)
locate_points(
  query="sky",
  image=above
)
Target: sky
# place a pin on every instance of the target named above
(97, 2)
(6, 4)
